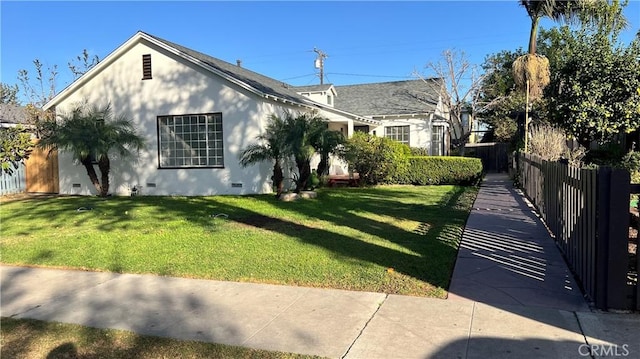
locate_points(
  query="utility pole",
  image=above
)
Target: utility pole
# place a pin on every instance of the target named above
(319, 63)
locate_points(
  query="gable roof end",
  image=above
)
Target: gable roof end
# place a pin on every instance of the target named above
(256, 83)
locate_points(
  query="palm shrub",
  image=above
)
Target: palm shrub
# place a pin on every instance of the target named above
(272, 148)
(326, 143)
(306, 134)
(297, 136)
(93, 135)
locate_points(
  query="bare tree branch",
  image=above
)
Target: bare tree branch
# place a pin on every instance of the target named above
(459, 90)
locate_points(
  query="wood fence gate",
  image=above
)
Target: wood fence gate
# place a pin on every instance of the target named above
(494, 155)
(42, 172)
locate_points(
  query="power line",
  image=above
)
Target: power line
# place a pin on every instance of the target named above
(365, 75)
(298, 77)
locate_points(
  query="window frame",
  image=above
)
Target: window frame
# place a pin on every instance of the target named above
(206, 141)
(392, 137)
(439, 131)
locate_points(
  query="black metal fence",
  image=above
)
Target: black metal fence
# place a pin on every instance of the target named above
(587, 210)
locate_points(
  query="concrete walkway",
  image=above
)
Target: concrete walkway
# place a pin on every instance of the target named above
(511, 297)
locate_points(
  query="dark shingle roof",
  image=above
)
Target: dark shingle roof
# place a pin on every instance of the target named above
(389, 98)
(12, 114)
(255, 80)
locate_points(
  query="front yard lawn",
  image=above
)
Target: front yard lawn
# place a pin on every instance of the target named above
(393, 239)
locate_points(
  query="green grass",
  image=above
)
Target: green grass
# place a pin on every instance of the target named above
(393, 239)
(26, 338)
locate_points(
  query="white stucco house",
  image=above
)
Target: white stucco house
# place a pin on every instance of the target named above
(197, 113)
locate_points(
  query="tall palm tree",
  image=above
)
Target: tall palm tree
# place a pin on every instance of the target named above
(531, 71)
(273, 148)
(92, 135)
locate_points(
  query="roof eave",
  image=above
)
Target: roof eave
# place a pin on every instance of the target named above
(403, 115)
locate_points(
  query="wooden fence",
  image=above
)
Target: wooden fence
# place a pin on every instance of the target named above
(587, 211)
(494, 155)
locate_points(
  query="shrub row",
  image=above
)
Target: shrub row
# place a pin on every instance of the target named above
(434, 170)
(381, 160)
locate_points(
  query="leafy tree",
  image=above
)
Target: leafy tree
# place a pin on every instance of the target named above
(272, 148)
(502, 106)
(500, 103)
(376, 159)
(15, 148)
(595, 90)
(93, 135)
(531, 71)
(9, 94)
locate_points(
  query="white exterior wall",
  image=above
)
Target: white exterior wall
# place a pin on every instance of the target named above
(321, 96)
(419, 130)
(177, 88)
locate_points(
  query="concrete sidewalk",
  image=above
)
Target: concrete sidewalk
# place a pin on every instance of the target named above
(507, 256)
(511, 297)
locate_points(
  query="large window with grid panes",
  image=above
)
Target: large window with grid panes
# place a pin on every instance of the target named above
(398, 133)
(190, 141)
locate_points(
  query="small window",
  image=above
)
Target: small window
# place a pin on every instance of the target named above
(329, 99)
(397, 133)
(146, 67)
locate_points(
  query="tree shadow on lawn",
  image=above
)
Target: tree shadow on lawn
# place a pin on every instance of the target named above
(114, 211)
(431, 246)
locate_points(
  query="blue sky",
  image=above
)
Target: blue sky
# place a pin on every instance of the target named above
(365, 41)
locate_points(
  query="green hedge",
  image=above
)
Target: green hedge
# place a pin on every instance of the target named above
(432, 170)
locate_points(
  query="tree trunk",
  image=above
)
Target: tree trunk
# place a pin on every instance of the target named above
(533, 35)
(278, 179)
(323, 166)
(304, 170)
(104, 166)
(88, 165)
